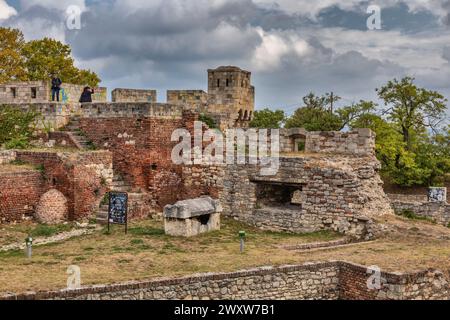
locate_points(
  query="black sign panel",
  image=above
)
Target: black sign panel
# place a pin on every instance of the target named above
(118, 208)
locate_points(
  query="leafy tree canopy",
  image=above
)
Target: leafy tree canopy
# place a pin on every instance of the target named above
(267, 119)
(39, 60)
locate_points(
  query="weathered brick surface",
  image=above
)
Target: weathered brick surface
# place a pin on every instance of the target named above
(19, 194)
(424, 285)
(82, 177)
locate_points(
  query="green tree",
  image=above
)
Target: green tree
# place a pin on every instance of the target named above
(48, 56)
(316, 115)
(314, 119)
(268, 119)
(12, 63)
(349, 114)
(412, 108)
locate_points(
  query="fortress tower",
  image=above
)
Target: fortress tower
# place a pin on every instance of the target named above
(230, 92)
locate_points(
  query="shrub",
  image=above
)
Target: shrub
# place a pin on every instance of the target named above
(210, 122)
(17, 127)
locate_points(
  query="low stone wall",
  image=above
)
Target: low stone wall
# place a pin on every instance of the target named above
(316, 281)
(436, 211)
(298, 221)
(323, 280)
(407, 197)
(133, 95)
(19, 194)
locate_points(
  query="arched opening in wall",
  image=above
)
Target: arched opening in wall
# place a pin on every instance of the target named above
(218, 83)
(246, 115)
(297, 142)
(227, 82)
(240, 115)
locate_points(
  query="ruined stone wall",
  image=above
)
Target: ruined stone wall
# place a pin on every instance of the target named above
(357, 142)
(312, 281)
(19, 194)
(190, 98)
(337, 193)
(82, 177)
(133, 95)
(436, 211)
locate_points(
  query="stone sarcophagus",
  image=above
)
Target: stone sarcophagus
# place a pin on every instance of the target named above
(191, 217)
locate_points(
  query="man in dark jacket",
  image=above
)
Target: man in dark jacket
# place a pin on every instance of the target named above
(86, 96)
(56, 87)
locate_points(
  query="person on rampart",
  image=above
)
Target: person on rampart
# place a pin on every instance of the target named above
(86, 96)
(56, 87)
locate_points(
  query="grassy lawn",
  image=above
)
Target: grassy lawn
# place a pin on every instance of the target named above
(18, 232)
(146, 252)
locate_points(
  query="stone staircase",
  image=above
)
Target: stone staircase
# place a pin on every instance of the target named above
(135, 199)
(73, 130)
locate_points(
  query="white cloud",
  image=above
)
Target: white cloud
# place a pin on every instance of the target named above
(311, 8)
(6, 11)
(61, 5)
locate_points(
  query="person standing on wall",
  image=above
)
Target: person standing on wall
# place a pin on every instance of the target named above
(56, 87)
(86, 96)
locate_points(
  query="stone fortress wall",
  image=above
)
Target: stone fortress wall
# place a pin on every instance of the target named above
(313, 281)
(133, 95)
(40, 92)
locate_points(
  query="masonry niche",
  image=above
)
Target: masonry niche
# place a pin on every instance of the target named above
(279, 195)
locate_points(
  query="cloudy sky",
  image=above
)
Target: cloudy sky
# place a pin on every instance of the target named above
(291, 46)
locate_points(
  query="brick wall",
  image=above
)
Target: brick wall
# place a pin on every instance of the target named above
(19, 194)
(423, 285)
(82, 177)
(324, 280)
(141, 148)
